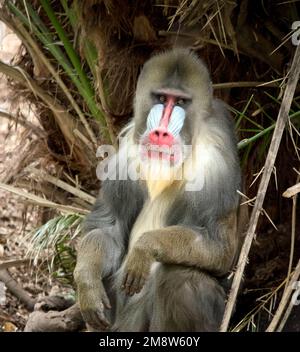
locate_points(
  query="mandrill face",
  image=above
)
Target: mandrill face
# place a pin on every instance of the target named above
(161, 140)
(171, 91)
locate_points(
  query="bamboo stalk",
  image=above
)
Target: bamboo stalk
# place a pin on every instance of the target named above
(283, 115)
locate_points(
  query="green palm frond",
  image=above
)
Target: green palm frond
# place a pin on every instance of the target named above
(54, 242)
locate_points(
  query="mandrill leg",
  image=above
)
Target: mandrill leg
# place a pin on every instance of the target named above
(176, 298)
(133, 312)
(186, 300)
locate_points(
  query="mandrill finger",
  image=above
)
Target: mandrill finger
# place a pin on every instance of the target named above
(95, 321)
(134, 288)
(123, 285)
(127, 282)
(105, 300)
(101, 318)
(142, 283)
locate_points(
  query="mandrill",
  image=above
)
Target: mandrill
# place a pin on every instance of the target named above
(158, 247)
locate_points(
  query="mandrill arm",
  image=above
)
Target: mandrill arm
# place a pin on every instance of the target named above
(213, 252)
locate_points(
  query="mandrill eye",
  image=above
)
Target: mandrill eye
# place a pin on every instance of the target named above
(162, 98)
(180, 102)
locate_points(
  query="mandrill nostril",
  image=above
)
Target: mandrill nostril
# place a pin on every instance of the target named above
(161, 137)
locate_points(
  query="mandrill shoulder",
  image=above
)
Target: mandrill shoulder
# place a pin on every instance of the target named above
(119, 202)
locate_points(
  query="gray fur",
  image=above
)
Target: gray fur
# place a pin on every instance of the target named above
(176, 298)
(216, 199)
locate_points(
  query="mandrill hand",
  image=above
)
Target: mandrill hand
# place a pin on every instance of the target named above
(92, 301)
(137, 269)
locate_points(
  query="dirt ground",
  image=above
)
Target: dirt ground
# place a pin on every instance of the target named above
(17, 218)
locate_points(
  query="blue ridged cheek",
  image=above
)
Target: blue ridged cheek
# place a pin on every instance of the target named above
(176, 121)
(154, 117)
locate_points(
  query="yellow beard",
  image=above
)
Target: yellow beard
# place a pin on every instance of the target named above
(155, 188)
(158, 177)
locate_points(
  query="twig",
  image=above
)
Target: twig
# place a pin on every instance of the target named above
(198, 42)
(104, 105)
(61, 184)
(38, 131)
(246, 141)
(286, 316)
(13, 263)
(269, 164)
(41, 201)
(245, 84)
(284, 300)
(16, 289)
(84, 139)
(293, 235)
(290, 192)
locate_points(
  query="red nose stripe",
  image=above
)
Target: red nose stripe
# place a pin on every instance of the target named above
(164, 122)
